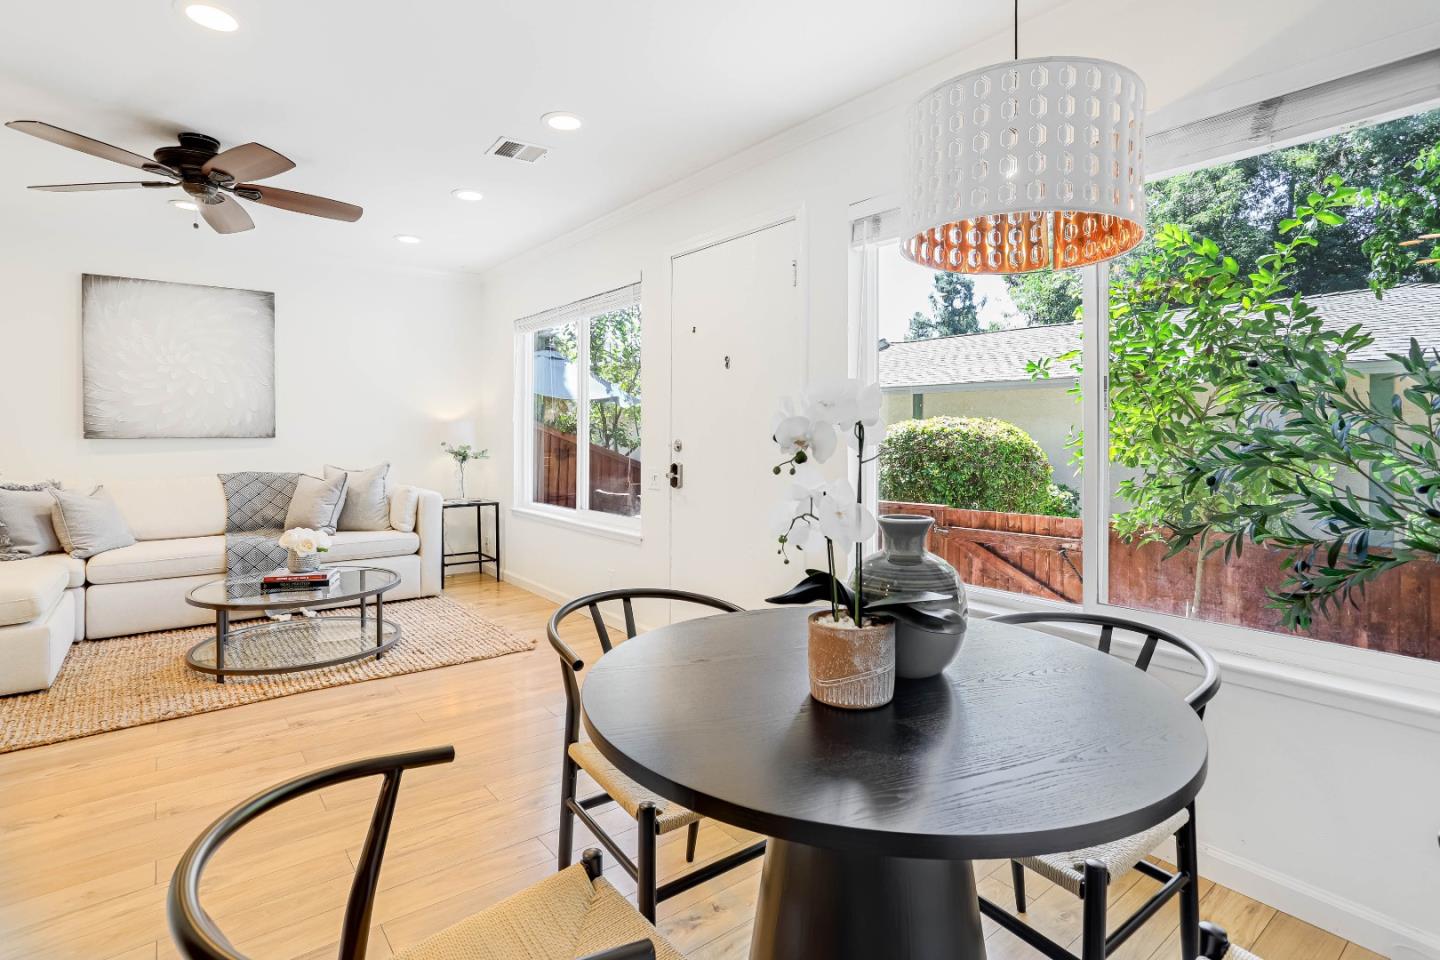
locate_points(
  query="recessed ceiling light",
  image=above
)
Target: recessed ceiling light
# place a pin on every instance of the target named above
(211, 17)
(184, 205)
(469, 196)
(406, 238)
(560, 120)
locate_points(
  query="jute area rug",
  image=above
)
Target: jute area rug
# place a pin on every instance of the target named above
(131, 681)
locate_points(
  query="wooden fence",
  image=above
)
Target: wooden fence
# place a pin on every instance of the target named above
(1041, 556)
(614, 477)
(1019, 552)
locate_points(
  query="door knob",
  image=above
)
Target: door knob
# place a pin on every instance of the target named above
(677, 475)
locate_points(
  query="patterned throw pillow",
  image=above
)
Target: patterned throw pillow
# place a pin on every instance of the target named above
(8, 550)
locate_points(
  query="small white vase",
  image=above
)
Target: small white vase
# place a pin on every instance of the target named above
(302, 563)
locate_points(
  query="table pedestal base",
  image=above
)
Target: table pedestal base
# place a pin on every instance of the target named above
(817, 903)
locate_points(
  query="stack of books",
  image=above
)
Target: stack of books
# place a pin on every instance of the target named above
(282, 579)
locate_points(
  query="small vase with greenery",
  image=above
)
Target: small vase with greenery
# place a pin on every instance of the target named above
(462, 454)
(852, 643)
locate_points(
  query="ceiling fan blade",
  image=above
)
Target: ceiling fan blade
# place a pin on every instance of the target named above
(77, 187)
(227, 216)
(300, 202)
(249, 161)
(88, 145)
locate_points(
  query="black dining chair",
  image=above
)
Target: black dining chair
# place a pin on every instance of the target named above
(1088, 873)
(653, 814)
(1215, 945)
(574, 913)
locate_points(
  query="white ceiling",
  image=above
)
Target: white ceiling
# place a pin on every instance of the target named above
(391, 104)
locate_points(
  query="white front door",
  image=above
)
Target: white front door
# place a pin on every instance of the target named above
(738, 345)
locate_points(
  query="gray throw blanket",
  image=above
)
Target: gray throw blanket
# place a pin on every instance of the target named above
(255, 507)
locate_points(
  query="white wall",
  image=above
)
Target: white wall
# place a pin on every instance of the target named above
(367, 360)
(1361, 760)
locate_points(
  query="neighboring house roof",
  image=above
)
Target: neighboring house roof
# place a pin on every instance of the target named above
(1412, 310)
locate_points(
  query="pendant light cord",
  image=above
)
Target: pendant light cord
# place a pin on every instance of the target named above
(1017, 29)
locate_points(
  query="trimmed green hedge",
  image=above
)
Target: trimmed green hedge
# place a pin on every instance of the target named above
(974, 463)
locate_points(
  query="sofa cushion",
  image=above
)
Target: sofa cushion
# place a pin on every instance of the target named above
(88, 524)
(316, 503)
(29, 588)
(158, 560)
(169, 508)
(404, 503)
(353, 545)
(25, 512)
(367, 498)
(196, 556)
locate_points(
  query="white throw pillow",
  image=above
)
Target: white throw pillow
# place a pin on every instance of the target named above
(87, 524)
(316, 504)
(403, 504)
(25, 515)
(367, 497)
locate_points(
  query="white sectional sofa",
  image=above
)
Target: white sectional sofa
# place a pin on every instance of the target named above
(49, 602)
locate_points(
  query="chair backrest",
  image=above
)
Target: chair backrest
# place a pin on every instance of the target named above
(1197, 698)
(197, 936)
(571, 665)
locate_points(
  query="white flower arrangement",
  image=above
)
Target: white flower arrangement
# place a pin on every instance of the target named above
(807, 430)
(305, 542)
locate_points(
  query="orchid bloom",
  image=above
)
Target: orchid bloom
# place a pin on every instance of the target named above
(837, 402)
(801, 437)
(842, 520)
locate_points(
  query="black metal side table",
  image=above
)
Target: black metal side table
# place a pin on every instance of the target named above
(478, 556)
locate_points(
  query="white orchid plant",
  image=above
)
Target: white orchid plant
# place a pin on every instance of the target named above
(808, 430)
(304, 541)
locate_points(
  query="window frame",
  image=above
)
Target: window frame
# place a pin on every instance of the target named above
(578, 314)
(1269, 660)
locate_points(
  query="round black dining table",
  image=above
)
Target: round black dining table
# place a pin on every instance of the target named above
(1027, 744)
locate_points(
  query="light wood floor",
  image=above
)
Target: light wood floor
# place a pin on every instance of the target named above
(90, 830)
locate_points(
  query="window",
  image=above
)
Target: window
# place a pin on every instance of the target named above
(1293, 429)
(578, 376)
(973, 438)
(1223, 415)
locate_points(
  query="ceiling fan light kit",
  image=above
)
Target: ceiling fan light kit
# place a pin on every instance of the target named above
(1027, 165)
(211, 179)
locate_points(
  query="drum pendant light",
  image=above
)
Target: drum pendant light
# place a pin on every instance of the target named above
(1026, 165)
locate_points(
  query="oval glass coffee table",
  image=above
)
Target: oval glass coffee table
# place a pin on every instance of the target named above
(302, 642)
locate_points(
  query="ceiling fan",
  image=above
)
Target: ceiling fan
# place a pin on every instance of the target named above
(212, 179)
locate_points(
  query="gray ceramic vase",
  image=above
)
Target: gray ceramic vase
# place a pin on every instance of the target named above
(903, 564)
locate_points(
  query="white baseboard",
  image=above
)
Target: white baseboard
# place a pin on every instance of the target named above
(550, 593)
(535, 587)
(1356, 922)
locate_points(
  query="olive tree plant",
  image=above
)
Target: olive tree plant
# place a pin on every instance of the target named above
(1233, 405)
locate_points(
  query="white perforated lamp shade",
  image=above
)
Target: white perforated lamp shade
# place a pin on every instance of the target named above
(1026, 165)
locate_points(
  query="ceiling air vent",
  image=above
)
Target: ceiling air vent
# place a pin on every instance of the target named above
(515, 150)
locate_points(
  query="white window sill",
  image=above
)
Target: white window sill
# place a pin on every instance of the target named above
(1388, 687)
(625, 529)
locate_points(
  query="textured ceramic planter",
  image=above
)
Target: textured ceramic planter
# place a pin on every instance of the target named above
(302, 563)
(851, 668)
(904, 565)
